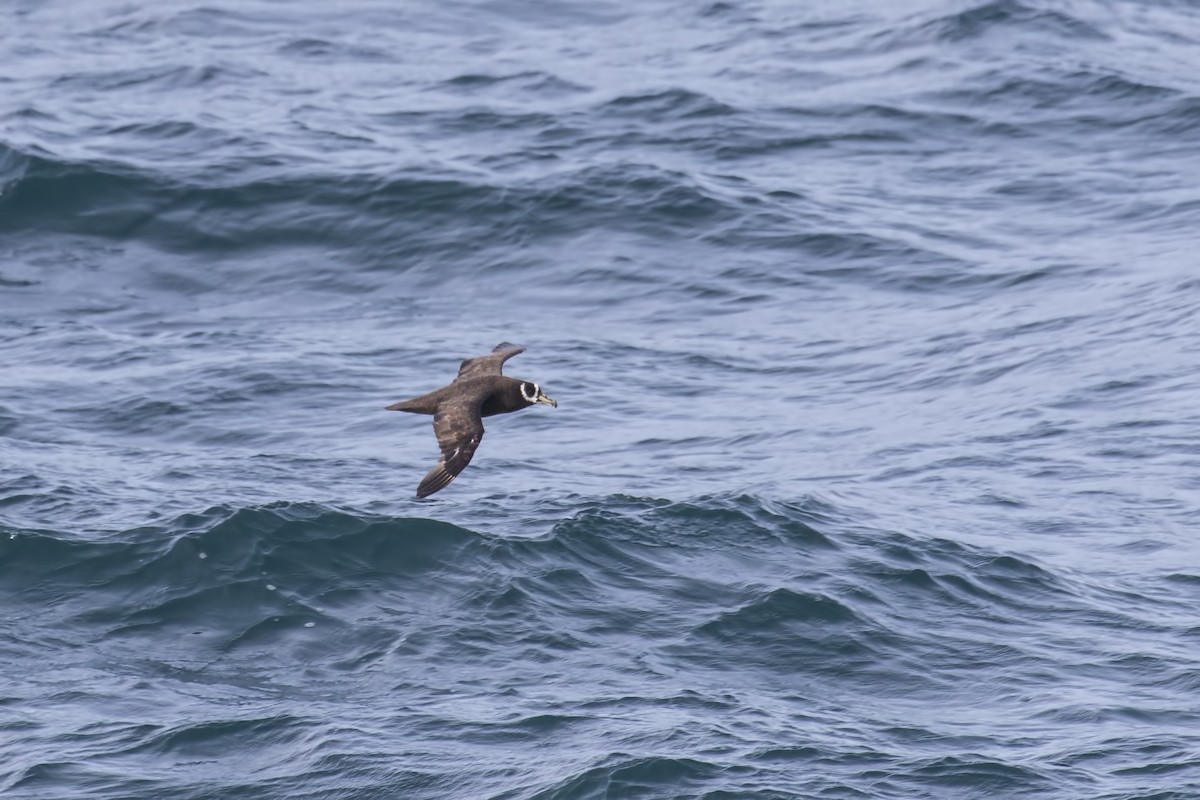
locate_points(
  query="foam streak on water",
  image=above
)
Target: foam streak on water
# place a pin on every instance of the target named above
(873, 332)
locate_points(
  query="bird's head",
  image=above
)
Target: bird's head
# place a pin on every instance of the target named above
(533, 394)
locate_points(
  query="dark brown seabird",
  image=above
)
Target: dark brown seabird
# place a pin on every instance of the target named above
(480, 390)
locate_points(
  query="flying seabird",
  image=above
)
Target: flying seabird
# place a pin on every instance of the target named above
(480, 390)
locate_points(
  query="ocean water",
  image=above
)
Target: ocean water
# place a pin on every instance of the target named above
(873, 328)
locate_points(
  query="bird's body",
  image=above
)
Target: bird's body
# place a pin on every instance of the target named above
(480, 390)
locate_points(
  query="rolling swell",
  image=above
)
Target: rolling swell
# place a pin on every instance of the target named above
(360, 603)
(112, 200)
(360, 217)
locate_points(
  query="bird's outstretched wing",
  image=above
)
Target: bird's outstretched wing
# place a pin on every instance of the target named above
(459, 430)
(491, 364)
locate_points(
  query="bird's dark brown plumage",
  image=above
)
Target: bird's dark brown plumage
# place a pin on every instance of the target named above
(480, 390)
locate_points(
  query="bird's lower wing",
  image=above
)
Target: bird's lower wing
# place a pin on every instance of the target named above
(459, 430)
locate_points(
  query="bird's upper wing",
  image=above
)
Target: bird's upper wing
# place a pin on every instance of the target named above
(459, 430)
(491, 364)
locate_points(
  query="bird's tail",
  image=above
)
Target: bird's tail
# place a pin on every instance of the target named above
(425, 404)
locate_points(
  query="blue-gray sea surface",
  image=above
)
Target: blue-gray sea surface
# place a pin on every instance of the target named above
(873, 327)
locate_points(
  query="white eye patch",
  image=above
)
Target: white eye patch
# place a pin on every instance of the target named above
(529, 391)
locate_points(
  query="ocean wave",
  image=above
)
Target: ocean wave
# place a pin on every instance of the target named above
(1002, 17)
(372, 212)
(797, 597)
(414, 225)
(841, 599)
